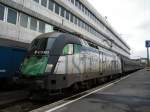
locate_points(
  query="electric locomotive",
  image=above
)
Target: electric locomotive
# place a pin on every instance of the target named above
(57, 61)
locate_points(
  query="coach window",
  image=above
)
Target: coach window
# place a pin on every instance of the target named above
(44, 3)
(12, 16)
(23, 20)
(33, 24)
(41, 27)
(51, 5)
(68, 49)
(2, 8)
(77, 48)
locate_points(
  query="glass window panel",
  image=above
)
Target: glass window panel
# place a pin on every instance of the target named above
(68, 49)
(33, 24)
(51, 5)
(67, 15)
(12, 16)
(77, 48)
(57, 8)
(24, 20)
(76, 3)
(80, 5)
(36, 1)
(83, 8)
(48, 28)
(72, 1)
(62, 12)
(44, 3)
(76, 20)
(2, 8)
(41, 27)
(71, 18)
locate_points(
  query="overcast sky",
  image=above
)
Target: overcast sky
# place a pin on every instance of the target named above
(130, 18)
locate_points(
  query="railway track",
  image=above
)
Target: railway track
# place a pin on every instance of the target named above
(19, 102)
(9, 97)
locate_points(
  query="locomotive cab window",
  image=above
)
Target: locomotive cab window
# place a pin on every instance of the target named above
(68, 49)
(42, 44)
(77, 48)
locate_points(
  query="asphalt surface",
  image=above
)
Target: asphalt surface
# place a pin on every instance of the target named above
(131, 94)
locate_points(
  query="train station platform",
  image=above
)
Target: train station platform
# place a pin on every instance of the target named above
(128, 94)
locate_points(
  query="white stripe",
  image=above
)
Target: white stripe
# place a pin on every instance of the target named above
(60, 106)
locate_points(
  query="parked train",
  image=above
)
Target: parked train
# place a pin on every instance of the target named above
(57, 61)
(12, 54)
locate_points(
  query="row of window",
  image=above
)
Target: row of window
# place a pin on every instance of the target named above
(86, 11)
(12, 16)
(63, 12)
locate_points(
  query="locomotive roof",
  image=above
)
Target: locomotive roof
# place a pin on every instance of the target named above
(55, 35)
(49, 35)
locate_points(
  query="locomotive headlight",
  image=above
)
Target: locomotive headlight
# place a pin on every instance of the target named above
(49, 68)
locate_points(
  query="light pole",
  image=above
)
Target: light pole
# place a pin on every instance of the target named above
(147, 44)
(148, 56)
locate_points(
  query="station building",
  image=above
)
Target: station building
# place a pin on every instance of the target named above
(23, 20)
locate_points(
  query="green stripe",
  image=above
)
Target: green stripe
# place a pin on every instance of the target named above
(34, 66)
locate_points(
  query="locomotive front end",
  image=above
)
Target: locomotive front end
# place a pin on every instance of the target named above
(36, 62)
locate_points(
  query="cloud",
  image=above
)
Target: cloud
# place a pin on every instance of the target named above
(145, 25)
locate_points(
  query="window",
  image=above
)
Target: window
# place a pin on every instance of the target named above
(83, 25)
(44, 3)
(72, 1)
(71, 18)
(62, 12)
(2, 8)
(67, 15)
(80, 5)
(41, 27)
(86, 11)
(68, 49)
(51, 5)
(77, 48)
(24, 20)
(33, 24)
(76, 3)
(36, 1)
(12, 16)
(57, 8)
(48, 28)
(76, 21)
(79, 22)
(83, 8)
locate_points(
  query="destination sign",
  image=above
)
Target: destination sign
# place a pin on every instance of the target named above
(147, 43)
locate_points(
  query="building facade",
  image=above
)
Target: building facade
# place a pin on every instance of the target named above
(23, 20)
